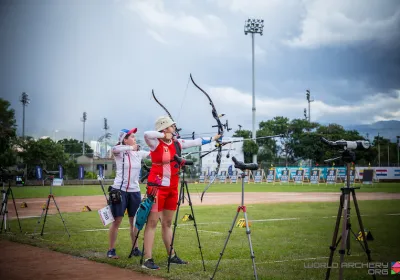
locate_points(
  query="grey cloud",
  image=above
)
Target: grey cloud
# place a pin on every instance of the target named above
(101, 58)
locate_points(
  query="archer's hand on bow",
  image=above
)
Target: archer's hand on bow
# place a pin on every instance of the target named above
(209, 140)
(217, 137)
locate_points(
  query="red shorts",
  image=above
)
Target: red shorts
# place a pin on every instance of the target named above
(166, 199)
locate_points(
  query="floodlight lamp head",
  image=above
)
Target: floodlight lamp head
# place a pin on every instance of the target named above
(24, 99)
(254, 26)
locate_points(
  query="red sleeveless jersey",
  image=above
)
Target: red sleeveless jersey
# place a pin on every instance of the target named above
(164, 170)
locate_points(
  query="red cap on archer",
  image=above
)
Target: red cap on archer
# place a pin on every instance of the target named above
(125, 132)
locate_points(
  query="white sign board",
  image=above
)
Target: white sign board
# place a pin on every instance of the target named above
(57, 182)
(106, 215)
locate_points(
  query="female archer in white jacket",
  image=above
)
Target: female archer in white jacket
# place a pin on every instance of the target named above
(128, 160)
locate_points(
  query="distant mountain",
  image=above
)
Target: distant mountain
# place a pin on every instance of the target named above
(386, 129)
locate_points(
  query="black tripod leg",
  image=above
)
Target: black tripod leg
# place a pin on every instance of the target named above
(181, 192)
(45, 216)
(61, 216)
(226, 242)
(367, 250)
(183, 195)
(345, 232)
(133, 246)
(348, 226)
(38, 222)
(195, 225)
(335, 234)
(250, 244)
(16, 211)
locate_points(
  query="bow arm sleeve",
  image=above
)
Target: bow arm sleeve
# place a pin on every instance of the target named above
(190, 143)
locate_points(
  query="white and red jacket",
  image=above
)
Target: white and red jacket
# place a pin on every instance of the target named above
(164, 170)
(128, 164)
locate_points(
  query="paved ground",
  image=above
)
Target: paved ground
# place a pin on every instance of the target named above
(18, 261)
(38, 263)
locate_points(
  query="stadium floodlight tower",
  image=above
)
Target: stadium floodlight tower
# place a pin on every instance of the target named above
(25, 101)
(253, 26)
(83, 119)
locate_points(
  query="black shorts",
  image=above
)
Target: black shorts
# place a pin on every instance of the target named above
(130, 201)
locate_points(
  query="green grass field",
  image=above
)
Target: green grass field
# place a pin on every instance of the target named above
(286, 238)
(88, 190)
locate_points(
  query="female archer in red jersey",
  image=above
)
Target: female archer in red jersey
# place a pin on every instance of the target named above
(164, 175)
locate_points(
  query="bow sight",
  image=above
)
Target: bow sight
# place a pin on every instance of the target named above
(225, 125)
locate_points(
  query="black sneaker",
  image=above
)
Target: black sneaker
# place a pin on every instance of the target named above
(149, 264)
(135, 252)
(176, 260)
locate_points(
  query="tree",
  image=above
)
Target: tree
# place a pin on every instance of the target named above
(7, 134)
(71, 169)
(74, 146)
(43, 152)
(249, 147)
(272, 149)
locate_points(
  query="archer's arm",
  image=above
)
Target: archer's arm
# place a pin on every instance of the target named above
(190, 143)
(121, 148)
(196, 142)
(144, 154)
(151, 139)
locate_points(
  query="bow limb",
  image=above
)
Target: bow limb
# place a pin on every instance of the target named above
(214, 111)
(159, 103)
(169, 114)
(206, 188)
(220, 132)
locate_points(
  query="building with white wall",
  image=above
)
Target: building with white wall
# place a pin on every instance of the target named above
(99, 149)
(209, 163)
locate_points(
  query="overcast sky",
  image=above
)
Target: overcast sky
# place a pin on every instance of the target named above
(105, 57)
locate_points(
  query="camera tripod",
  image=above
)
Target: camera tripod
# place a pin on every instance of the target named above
(4, 208)
(242, 166)
(45, 211)
(184, 185)
(347, 156)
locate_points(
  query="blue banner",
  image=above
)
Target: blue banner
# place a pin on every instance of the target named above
(101, 171)
(230, 171)
(60, 172)
(81, 172)
(39, 174)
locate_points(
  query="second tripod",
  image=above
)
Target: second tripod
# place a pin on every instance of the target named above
(45, 211)
(242, 166)
(344, 208)
(184, 186)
